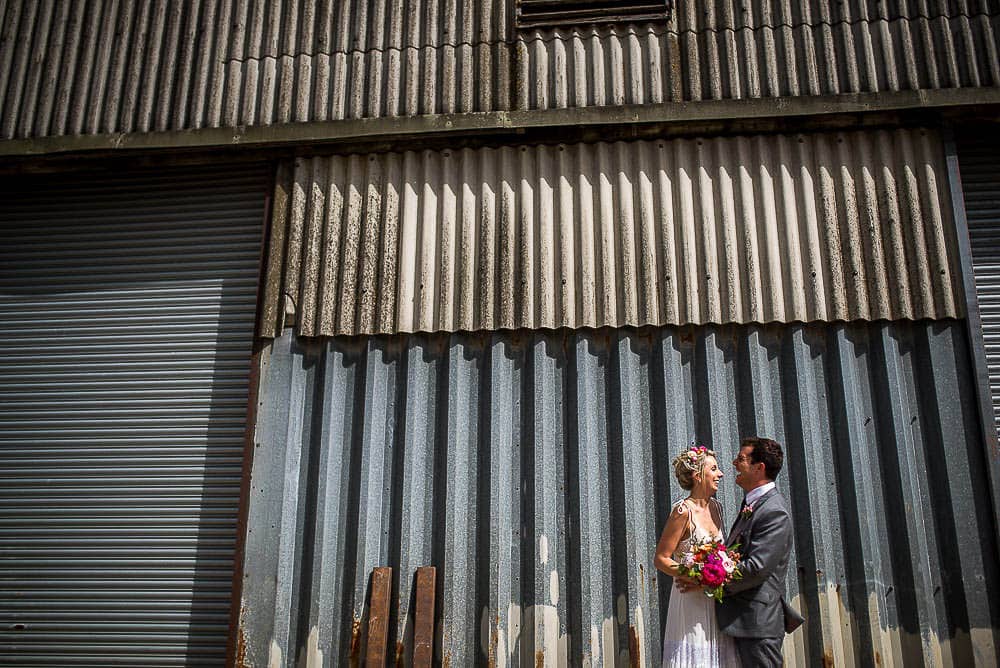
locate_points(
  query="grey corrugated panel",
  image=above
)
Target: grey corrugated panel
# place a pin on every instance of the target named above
(532, 469)
(100, 67)
(128, 306)
(978, 156)
(743, 229)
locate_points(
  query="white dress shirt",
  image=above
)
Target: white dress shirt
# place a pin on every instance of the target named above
(758, 492)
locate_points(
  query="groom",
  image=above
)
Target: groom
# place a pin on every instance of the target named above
(754, 610)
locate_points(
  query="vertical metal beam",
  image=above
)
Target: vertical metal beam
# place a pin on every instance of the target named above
(597, 607)
(505, 585)
(234, 644)
(974, 325)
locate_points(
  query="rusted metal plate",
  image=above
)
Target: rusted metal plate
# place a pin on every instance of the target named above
(423, 619)
(378, 617)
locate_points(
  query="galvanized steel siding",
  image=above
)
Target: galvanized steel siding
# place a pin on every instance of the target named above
(127, 305)
(76, 67)
(850, 226)
(533, 470)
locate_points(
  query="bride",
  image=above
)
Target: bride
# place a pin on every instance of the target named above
(692, 638)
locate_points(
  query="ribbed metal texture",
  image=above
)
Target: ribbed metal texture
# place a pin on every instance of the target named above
(532, 469)
(724, 230)
(127, 305)
(76, 67)
(981, 187)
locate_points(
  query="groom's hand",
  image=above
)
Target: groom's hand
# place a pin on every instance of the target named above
(686, 584)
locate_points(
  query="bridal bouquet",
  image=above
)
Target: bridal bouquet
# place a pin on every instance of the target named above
(712, 566)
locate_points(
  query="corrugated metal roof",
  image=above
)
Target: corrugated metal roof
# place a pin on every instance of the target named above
(849, 226)
(77, 67)
(532, 469)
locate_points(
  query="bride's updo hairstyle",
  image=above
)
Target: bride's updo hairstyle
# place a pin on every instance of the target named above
(689, 463)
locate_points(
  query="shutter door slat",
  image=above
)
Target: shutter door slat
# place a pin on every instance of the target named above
(128, 308)
(980, 173)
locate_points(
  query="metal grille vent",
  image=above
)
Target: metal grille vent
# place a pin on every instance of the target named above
(543, 13)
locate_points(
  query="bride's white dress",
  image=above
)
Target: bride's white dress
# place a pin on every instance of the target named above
(691, 638)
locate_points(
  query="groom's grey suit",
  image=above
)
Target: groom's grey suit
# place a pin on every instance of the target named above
(754, 610)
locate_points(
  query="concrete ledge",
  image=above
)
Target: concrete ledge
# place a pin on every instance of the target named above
(397, 130)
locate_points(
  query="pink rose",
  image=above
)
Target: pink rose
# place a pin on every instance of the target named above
(713, 575)
(727, 563)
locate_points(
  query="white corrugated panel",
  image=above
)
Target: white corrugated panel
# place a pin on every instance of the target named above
(127, 305)
(980, 169)
(766, 228)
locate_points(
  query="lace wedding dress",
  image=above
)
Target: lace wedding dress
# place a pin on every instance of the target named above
(691, 638)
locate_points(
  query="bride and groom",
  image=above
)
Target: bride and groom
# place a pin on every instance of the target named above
(747, 627)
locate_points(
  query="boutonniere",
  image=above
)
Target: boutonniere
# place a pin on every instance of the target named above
(746, 512)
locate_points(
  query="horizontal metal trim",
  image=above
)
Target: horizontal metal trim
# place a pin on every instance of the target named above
(406, 129)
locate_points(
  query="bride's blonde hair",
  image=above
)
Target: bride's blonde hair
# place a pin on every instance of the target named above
(690, 463)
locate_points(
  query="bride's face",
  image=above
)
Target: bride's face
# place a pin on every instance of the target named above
(711, 474)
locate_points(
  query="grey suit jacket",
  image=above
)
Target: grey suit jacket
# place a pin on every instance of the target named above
(755, 607)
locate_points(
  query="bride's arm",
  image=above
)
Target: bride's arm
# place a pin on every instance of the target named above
(672, 534)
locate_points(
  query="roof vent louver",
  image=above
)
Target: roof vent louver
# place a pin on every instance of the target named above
(546, 13)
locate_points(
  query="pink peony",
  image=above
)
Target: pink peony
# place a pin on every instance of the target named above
(713, 575)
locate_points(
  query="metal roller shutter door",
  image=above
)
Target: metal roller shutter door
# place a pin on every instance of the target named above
(127, 306)
(979, 163)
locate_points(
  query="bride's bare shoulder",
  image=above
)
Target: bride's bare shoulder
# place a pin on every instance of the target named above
(680, 510)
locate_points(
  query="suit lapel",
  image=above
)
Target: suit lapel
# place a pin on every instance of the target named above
(740, 521)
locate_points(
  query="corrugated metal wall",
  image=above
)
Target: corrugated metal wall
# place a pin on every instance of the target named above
(764, 228)
(127, 304)
(86, 67)
(533, 470)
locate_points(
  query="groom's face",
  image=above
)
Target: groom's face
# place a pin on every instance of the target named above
(748, 474)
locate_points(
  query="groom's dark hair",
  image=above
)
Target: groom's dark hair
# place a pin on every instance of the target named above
(766, 452)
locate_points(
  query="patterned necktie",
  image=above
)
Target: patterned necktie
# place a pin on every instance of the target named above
(739, 518)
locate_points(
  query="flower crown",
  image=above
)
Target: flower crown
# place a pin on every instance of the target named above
(693, 458)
